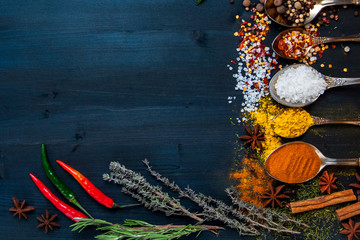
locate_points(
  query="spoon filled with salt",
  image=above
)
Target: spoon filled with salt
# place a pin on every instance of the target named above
(295, 43)
(298, 162)
(294, 122)
(295, 13)
(299, 85)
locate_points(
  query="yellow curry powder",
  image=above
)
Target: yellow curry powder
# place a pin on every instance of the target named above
(292, 122)
(252, 180)
(293, 163)
(266, 112)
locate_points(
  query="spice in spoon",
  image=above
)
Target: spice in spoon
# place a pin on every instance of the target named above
(292, 122)
(293, 163)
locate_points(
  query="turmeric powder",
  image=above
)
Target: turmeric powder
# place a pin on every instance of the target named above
(292, 122)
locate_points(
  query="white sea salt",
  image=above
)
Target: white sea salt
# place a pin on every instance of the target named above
(300, 84)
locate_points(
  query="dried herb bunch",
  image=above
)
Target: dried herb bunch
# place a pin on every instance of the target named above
(242, 216)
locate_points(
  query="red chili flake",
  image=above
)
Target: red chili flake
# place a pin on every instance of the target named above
(345, 53)
(333, 46)
(247, 83)
(266, 89)
(233, 62)
(266, 81)
(252, 17)
(244, 23)
(336, 17)
(324, 19)
(320, 55)
(256, 85)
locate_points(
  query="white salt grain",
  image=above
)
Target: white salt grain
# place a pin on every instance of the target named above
(300, 84)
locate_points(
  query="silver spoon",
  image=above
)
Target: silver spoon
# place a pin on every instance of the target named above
(330, 81)
(324, 161)
(315, 41)
(271, 11)
(316, 121)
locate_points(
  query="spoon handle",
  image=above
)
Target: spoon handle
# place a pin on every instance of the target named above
(336, 82)
(321, 121)
(323, 40)
(343, 162)
(326, 3)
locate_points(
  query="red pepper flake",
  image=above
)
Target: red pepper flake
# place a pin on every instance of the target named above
(256, 85)
(333, 46)
(233, 62)
(266, 89)
(266, 81)
(247, 83)
(252, 17)
(345, 53)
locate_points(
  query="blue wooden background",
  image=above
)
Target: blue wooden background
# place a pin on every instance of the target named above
(100, 81)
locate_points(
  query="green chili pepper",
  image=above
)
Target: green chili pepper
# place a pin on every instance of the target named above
(60, 185)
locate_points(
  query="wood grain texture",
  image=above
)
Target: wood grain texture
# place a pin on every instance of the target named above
(101, 81)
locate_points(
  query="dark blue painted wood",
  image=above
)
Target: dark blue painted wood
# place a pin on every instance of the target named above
(101, 81)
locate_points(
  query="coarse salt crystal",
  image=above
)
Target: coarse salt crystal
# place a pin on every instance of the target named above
(300, 84)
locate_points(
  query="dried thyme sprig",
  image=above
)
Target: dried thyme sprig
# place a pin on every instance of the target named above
(152, 197)
(245, 221)
(218, 210)
(140, 230)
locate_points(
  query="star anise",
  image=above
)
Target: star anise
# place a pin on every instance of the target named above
(327, 182)
(273, 195)
(356, 185)
(254, 137)
(20, 209)
(351, 229)
(47, 221)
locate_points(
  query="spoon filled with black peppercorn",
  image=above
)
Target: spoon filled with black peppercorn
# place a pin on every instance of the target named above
(296, 13)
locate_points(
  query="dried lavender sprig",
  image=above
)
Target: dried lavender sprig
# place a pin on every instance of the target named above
(222, 210)
(151, 196)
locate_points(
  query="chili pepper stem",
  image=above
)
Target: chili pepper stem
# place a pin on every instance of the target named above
(76, 203)
(124, 206)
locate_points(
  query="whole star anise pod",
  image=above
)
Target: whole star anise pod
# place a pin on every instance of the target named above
(254, 137)
(356, 185)
(47, 221)
(327, 182)
(20, 209)
(273, 195)
(351, 229)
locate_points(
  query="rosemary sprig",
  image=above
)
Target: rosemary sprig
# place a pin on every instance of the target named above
(140, 230)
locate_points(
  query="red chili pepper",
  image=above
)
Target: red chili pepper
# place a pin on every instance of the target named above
(63, 207)
(89, 187)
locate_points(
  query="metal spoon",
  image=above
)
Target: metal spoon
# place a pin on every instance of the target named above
(324, 161)
(331, 82)
(315, 41)
(271, 11)
(316, 121)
